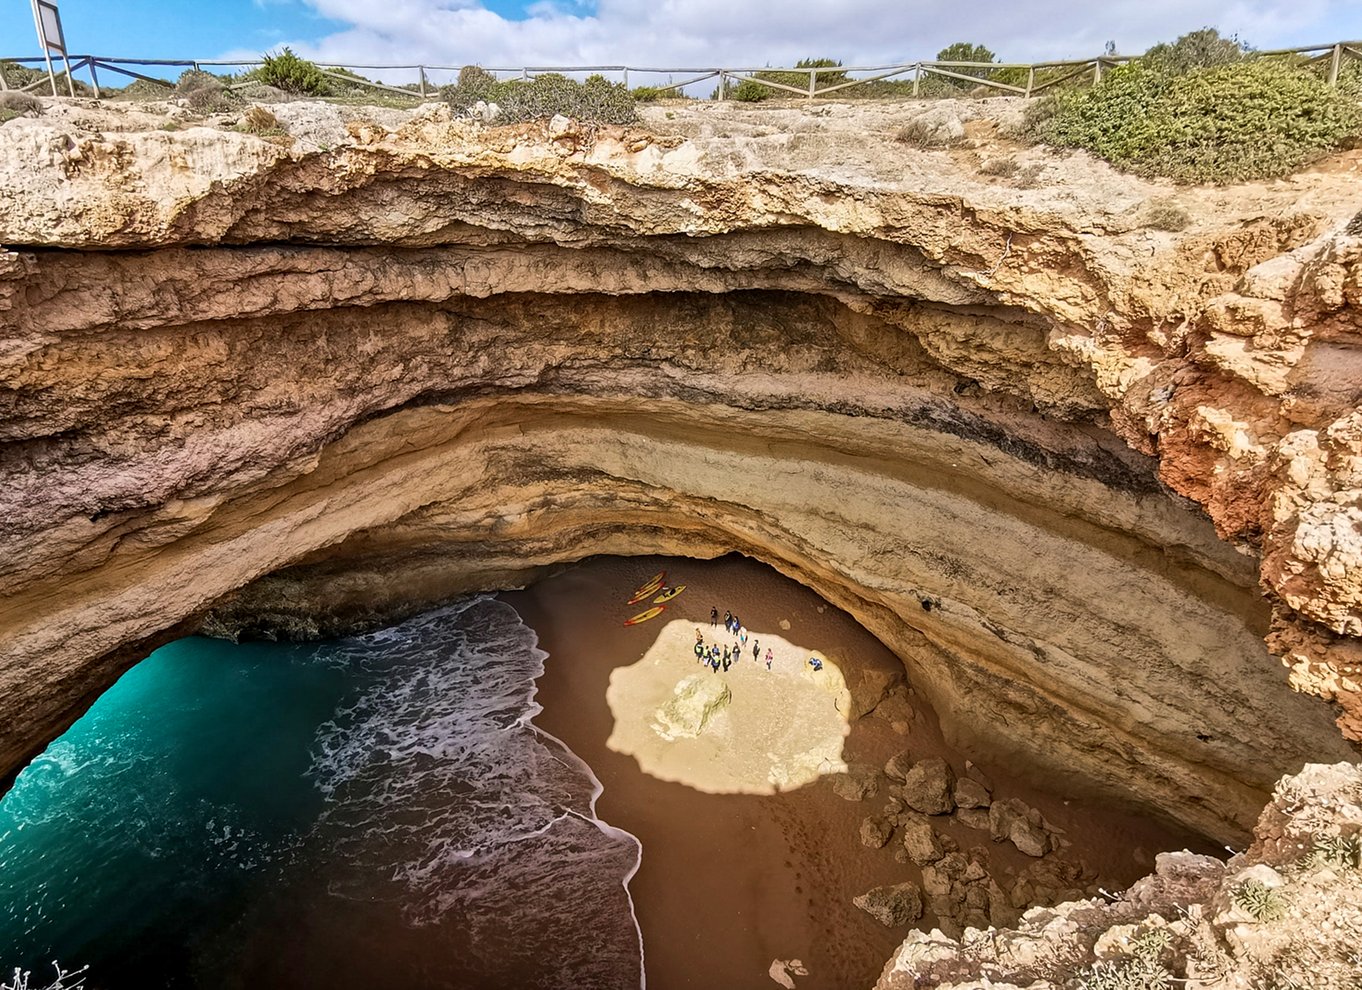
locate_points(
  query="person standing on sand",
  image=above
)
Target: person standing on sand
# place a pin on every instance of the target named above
(713, 616)
(742, 635)
(728, 621)
(701, 653)
(756, 651)
(728, 661)
(699, 636)
(769, 657)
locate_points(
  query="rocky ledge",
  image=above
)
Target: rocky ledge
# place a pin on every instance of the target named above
(1095, 482)
(1285, 913)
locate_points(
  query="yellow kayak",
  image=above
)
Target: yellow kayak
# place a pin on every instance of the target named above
(669, 594)
(651, 613)
(649, 589)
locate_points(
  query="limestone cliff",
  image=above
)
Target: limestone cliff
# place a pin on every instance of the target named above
(1088, 479)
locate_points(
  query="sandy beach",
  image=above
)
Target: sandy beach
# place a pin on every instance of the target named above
(732, 882)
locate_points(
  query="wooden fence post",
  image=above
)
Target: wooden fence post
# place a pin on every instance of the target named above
(94, 79)
(1096, 71)
(626, 77)
(813, 82)
(421, 69)
(917, 80)
(1030, 80)
(1334, 62)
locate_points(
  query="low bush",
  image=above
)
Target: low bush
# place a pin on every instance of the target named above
(596, 99)
(259, 121)
(292, 74)
(19, 103)
(1257, 899)
(1227, 120)
(651, 94)
(751, 91)
(1165, 216)
(1005, 167)
(203, 91)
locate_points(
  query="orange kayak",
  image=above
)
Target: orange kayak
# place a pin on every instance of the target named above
(651, 613)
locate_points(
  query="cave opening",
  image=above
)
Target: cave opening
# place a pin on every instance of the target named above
(289, 810)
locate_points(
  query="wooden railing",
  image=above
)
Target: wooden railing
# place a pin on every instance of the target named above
(1039, 76)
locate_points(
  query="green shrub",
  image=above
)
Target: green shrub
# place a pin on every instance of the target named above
(1344, 851)
(17, 76)
(292, 74)
(596, 99)
(1203, 49)
(650, 94)
(1236, 120)
(750, 91)
(1259, 900)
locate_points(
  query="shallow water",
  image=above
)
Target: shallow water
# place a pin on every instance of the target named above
(376, 811)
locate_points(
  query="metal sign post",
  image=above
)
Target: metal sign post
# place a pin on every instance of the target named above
(50, 39)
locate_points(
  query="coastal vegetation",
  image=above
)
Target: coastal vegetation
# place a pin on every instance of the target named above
(1201, 109)
(595, 99)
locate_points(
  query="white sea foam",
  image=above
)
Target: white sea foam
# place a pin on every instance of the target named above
(436, 777)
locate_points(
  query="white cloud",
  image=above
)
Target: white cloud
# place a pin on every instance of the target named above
(680, 33)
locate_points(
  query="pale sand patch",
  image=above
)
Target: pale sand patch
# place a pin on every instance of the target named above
(775, 731)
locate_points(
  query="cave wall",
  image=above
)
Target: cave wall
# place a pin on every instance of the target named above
(274, 389)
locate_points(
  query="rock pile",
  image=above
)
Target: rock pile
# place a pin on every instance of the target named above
(959, 888)
(1286, 913)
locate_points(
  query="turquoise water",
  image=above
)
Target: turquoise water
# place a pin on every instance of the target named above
(369, 812)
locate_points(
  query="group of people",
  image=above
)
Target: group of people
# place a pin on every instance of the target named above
(718, 657)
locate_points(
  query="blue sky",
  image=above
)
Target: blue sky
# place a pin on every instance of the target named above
(666, 32)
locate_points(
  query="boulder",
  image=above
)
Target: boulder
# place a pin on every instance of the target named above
(875, 832)
(892, 906)
(928, 787)
(898, 766)
(860, 781)
(920, 842)
(1023, 825)
(695, 700)
(973, 818)
(971, 794)
(1030, 839)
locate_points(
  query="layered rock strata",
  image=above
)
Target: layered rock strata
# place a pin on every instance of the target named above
(1051, 458)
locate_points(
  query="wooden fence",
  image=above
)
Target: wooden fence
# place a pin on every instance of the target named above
(1024, 79)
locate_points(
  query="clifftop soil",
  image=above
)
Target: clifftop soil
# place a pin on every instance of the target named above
(1097, 484)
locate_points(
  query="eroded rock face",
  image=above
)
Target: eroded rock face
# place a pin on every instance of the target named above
(1195, 921)
(292, 391)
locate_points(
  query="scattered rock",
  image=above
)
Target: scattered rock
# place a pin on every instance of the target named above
(1014, 820)
(971, 794)
(784, 624)
(875, 832)
(892, 906)
(783, 971)
(897, 711)
(898, 766)
(928, 785)
(920, 842)
(973, 772)
(860, 781)
(973, 818)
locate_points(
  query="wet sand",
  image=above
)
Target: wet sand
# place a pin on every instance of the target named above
(731, 882)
